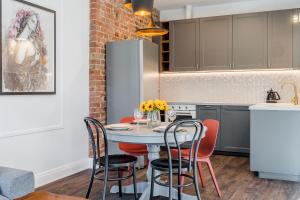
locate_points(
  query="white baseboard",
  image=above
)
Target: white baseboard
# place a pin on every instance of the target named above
(90, 163)
(61, 172)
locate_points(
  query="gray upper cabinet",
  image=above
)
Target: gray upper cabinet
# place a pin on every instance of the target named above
(184, 37)
(250, 41)
(266, 40)
(280, 39)
(296, 42)
(235, 128)
(216, 43)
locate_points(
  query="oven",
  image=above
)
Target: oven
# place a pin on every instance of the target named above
(183, 111)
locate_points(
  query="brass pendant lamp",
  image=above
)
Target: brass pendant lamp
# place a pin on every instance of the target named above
(142, 7)
(128, 4)
(152, 30)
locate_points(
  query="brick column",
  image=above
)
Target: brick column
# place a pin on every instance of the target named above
(109, 21)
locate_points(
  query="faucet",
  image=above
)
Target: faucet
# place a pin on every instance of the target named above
(295, 98)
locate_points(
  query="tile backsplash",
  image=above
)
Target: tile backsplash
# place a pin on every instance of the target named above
(227, 87)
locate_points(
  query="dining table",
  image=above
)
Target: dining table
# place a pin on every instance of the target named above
(142, 134)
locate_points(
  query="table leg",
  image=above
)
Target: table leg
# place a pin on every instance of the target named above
(144, 187)
(153, 154)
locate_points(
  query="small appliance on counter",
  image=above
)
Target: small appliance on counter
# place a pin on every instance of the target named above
(272, 97)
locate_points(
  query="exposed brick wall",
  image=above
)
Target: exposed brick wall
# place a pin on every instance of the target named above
(109, 21)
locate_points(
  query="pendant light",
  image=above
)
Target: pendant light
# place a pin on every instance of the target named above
(152, 30)
(128, 4)
(142, 7)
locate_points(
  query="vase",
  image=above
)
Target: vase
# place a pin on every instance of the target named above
(153, 119)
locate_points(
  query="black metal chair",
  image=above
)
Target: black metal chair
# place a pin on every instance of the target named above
(178, 166)
(105, 163)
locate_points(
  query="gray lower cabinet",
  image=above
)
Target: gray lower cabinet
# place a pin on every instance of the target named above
(234, 133)
(216, 43)
(250, 41)
(210, 112)
(184, 37)
(235, 127)
(280, 39)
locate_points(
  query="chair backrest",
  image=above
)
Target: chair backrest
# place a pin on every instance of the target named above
(96, 132)
(171, 135)
(128, 119)
(208, 143)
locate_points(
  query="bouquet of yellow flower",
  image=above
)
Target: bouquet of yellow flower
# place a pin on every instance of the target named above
(154, 105)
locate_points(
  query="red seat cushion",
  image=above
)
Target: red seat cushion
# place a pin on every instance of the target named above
(135, 149)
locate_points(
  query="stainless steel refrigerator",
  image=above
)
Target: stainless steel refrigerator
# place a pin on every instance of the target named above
(132, 74)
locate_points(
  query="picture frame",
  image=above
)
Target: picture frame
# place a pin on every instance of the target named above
(28, 49)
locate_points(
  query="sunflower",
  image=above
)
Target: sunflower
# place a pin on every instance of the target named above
(165, 106)
(159, 104)
(143, 106)
(149, 106)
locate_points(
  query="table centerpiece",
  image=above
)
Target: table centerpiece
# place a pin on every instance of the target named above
(153, 108)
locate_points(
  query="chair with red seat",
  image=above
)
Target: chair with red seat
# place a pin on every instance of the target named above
(206, 149)
(132, 149)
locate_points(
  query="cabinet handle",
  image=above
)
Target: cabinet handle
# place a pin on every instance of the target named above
(197, 66)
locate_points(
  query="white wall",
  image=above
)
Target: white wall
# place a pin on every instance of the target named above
(46, 134)
(246, 6)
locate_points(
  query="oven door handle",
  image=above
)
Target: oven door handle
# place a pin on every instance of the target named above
(183, 113)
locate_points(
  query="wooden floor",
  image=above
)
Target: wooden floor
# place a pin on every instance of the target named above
(233, 174)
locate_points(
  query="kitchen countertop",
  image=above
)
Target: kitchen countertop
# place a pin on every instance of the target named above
(210, 103)
(275, 107)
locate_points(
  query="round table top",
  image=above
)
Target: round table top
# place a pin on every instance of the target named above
(142, 134)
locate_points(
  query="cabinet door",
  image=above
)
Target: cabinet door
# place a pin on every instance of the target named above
(296, 41)
(235, 128)
(184, 37)
(280, 39)
(210, 112)
(250, 41)
(216, 43)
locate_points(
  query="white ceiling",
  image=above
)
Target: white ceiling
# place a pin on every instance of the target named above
(176, 4)
(175, 9)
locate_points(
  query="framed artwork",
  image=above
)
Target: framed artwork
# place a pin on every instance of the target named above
(28, 61)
